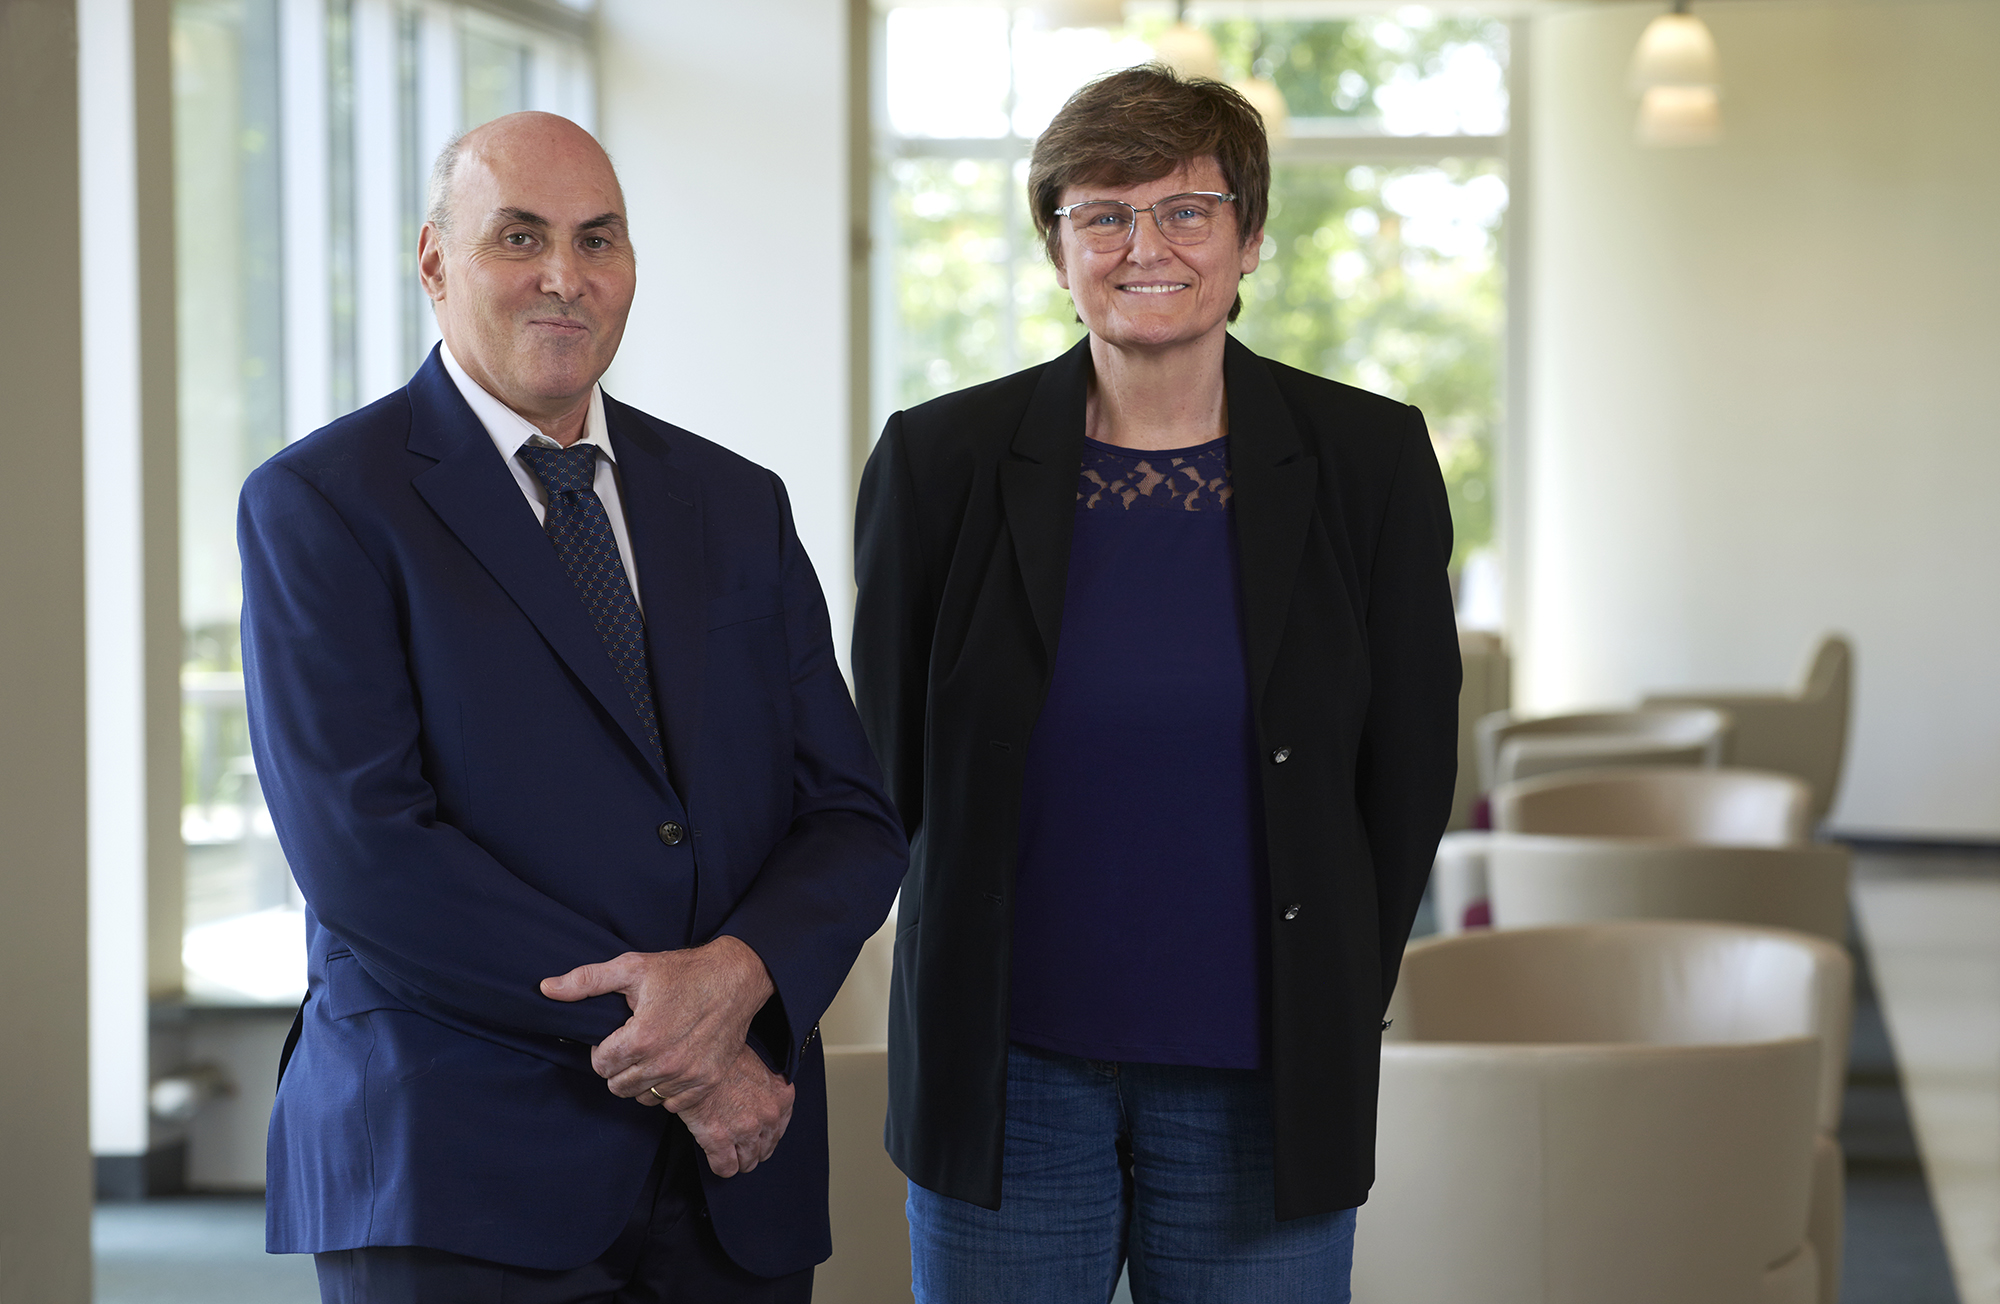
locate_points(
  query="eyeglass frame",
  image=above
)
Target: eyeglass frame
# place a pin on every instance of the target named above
(1132, 231)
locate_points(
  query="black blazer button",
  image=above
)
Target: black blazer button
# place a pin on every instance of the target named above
(672, 833)
(1291, 913)
(1280, 756)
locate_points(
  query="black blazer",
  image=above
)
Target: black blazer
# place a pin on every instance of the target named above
(962, 551)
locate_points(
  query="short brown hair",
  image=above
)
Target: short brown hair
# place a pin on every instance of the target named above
(1140, 124)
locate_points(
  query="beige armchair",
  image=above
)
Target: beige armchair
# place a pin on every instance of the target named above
(1460, 894)
(1729, 806)
(1537, 880)
(1513, 748)
(1483, 689)
(871, 1237)
(1626, 800)
(1623, 1112)
(1803, 734)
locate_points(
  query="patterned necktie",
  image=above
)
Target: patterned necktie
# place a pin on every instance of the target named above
(581, 532)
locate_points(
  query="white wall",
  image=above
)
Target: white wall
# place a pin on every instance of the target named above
(1760, 402)
(44, 1143)
(728, 124)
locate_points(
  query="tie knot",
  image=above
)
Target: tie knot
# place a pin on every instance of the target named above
(561, 470)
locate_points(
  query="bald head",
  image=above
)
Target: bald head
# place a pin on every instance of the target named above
(533, 284)
(532, 131)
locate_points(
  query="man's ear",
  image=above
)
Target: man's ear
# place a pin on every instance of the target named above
(430, 261)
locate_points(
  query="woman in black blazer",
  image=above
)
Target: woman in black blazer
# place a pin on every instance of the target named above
(1156, 646)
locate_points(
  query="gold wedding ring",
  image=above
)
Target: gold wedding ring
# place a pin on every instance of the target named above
(656, 1095)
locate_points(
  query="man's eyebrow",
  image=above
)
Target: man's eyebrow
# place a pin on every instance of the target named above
(522, 215)
(602, 220)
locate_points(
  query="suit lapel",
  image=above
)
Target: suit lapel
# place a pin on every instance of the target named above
(663, 516)
(475, 495)
(1038, 488)
(1275, 486)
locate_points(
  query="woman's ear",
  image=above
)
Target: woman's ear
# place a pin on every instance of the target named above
(1253, 249)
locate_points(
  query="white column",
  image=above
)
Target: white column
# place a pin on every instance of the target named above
(114, 577)
(440, 114)
(379, 282)
(304, 158)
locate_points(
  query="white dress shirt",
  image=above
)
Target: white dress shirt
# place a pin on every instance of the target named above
(509, 430)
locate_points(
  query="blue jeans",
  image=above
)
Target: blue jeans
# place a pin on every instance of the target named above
(1160, 1167)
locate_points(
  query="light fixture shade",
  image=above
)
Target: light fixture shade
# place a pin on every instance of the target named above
(1080, 13)
(1269, 101)
(1189, 51)
(1676, 50)
(1680, 115)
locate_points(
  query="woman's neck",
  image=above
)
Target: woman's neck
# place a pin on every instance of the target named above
(1168, 398)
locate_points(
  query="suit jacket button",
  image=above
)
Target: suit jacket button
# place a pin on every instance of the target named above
(1280, 756)
(1291, 913)
(672, 833)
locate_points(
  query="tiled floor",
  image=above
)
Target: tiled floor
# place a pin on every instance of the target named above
(1931, 924)
(194, 1250)
(1894, 1250)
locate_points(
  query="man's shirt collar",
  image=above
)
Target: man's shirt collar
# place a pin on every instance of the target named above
(509, 430)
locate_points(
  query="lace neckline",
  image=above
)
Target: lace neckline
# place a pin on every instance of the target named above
(1155, 479)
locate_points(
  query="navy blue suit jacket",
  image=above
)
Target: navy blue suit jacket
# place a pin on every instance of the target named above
(460, 784)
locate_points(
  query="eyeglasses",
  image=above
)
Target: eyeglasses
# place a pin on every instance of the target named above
(1108, 224)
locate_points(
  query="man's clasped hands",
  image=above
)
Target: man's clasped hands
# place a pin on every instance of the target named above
(685, 1045)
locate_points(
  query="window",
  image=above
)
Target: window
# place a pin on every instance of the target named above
(1382, 254)
(303, 133)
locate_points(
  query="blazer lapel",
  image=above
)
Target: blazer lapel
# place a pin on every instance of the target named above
(475, 495)
(1275, 487)
(663, 516)
(1038, 488)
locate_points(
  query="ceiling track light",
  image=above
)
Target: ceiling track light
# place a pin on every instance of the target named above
(1678, 79)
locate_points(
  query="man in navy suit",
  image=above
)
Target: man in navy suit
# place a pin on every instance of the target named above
(545, 707)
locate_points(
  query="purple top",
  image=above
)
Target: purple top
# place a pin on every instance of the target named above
(1139, 902)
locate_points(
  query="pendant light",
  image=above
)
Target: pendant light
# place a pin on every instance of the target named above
(1187, 49)
(1265, 97)
(1080, 13)
(1678, 78)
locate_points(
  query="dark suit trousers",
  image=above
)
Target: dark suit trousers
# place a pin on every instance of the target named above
(667, 1254)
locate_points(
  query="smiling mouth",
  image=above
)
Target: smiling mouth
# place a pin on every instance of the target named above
(1152, 289)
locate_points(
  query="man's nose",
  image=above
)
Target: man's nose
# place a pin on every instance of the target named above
(562, 273)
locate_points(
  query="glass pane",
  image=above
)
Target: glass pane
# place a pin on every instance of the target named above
(496, 75)
(1050, 65)
(343, 252)
(229, 311)
(947, 71)
(1421, 73)
(951, 265)
(1390, 279)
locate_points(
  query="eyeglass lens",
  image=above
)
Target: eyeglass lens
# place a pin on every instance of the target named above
(1184, 219)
